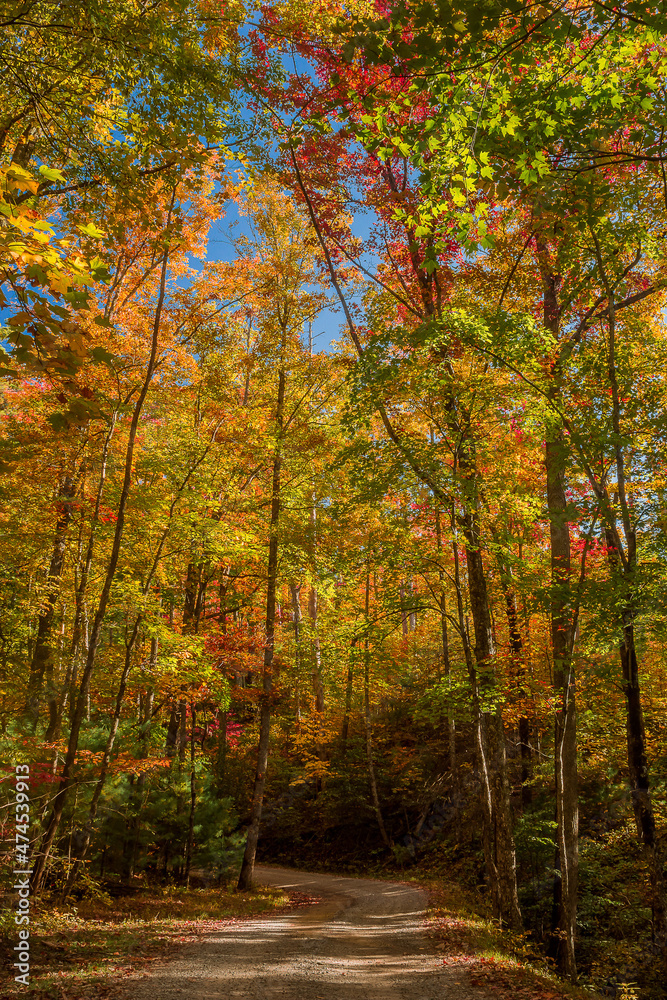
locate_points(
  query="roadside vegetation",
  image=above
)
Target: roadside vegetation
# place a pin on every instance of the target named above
(87, 947)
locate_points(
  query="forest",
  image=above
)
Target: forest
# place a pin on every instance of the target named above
(333, 455)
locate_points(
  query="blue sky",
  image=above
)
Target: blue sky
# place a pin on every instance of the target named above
(327, 326)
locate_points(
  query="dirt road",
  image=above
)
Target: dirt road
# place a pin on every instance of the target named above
(365, 940)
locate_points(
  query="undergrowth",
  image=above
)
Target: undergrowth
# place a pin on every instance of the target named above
(79, 951)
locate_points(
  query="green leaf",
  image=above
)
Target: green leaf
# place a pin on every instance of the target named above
(91, 230)
(50, 174)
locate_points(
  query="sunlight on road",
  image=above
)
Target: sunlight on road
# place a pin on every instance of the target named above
(362, 940)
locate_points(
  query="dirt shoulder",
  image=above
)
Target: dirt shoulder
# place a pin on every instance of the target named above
(85, 950)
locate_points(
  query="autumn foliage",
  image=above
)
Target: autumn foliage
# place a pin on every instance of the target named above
(333, 453)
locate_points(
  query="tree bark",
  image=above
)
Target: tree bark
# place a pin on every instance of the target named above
(316, 673)
(519, 676)
(43, 653)
(480, 741)
(80, 628)
(446, 663)
(223, 718)
(565, 723)
(104, 764)
(182, 737)
(348, 697)
(492, 733)
(193, 800)
(248, 864)
(491, 730)
(404, 613)
(192, 582)
(625, 564)
(640, 786)
(367, 716)
(173, 727)
(295, 593)
(66, 779)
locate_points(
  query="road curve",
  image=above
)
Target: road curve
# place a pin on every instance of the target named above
(364, 940)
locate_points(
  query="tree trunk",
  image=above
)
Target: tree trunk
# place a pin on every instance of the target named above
(139, 799)
(446, 663)
(316, 673)
(640, 786)
(192, 581)
(43, 653)
(248, 865)
(193, 800)
(626, 565)
(367, 717)
(480, 742)
(66, 779)
(348, 697)
(80, 628)
(182, 729)
(222, 751)
(565, 724)
(173, 727)
(565, 734)
(295, 593)
(491, 731)
(404, 613)
(104, 764)
(519, 676)
(638, 769)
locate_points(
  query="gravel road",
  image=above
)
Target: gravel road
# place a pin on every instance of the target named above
(364, 940)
